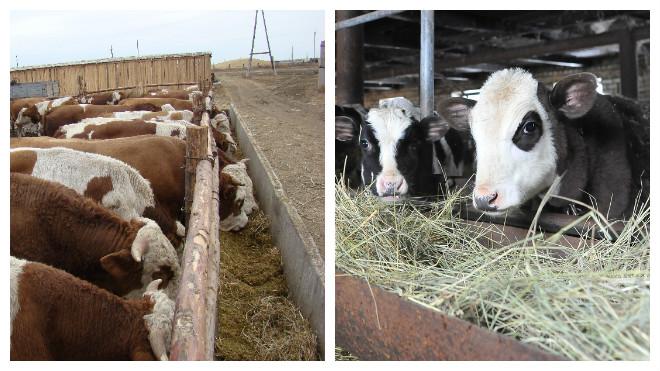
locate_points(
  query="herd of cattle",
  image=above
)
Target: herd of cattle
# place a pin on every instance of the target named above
(97, 198)
(518, 141)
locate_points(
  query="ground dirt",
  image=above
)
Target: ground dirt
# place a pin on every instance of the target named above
(286, 115)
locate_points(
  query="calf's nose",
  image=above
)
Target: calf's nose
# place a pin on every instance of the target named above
(484, 199)
(391, 184)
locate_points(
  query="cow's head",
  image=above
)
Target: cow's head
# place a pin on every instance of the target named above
(150, 257)
(232, 216)
(117, 96)
(395, 147)
(516, 126)
(28, 120)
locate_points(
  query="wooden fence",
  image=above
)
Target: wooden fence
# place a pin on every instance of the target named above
(117, 73)
(193, 334)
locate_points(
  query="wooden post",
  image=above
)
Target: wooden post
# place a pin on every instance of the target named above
(196, 150)
(628, 64)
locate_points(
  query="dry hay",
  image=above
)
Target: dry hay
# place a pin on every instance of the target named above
(592, 304)
(251, 272)
(279, 331)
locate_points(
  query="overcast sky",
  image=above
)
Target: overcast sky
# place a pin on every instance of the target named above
(44, 37)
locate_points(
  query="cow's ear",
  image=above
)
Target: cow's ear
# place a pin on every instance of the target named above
(575, 95)
(119, 264)
(344, 128)
(457, 112)
(434, 127)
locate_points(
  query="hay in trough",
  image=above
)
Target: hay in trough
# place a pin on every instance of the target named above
(253, 292)
(589, 301)
(279, 332)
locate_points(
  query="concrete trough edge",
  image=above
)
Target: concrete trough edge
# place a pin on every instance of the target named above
(302, 262)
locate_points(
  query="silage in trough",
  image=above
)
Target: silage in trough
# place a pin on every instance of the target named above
(592, 303)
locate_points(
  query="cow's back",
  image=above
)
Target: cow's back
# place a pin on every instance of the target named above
(160, 160)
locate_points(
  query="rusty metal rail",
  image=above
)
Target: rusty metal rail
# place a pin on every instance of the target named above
(374, 324)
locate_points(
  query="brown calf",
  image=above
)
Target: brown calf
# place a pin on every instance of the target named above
(178, 104)
(54, 225)
(107, 98)
(121, 129)
(160, 160)
(60, 317)
(74, 113)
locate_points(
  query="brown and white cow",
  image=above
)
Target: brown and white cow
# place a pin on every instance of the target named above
(238, 171)
(160, 160)
(108, 181)
(18, 104)
(178, 104)
(177, 94)
(122, 129)
(74, 113)
(54, 225)
(60, 317)
(108, 98)
(29, 119)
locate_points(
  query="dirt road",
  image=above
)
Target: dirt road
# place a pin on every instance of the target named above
(286, 115)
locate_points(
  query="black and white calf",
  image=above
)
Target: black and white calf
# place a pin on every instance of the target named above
(527, 136)
(397, 153)
(348, 120)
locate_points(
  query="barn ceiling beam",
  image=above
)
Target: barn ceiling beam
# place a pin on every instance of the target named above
(365, 18)
(505, 55)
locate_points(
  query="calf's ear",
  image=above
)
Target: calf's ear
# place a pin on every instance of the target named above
(344, 128)
(119, 264)
(457, 112)
(575, 95)
(434, 127)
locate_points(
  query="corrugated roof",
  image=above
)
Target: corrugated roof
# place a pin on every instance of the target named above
(112, 60)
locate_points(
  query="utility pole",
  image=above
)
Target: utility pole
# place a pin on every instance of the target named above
(314, 44)
(112, 55)
(254, 34)
(291, 54)
(17, 61)
(137, 45)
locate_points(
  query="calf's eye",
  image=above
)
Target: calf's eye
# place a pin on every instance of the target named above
(530, 127)
(364, 144)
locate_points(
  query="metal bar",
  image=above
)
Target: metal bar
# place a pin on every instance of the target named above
(515, 53)
(349, 61)
(628, 64)
(369, 17)
(427, 39)
(374, 324)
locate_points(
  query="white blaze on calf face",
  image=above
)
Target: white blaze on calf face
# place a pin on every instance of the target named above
(512, 174)
(158, 252)
(238, 172)
(116, 97)
(389, 126)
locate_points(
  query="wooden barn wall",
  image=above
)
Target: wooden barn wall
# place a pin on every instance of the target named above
(121, 74)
